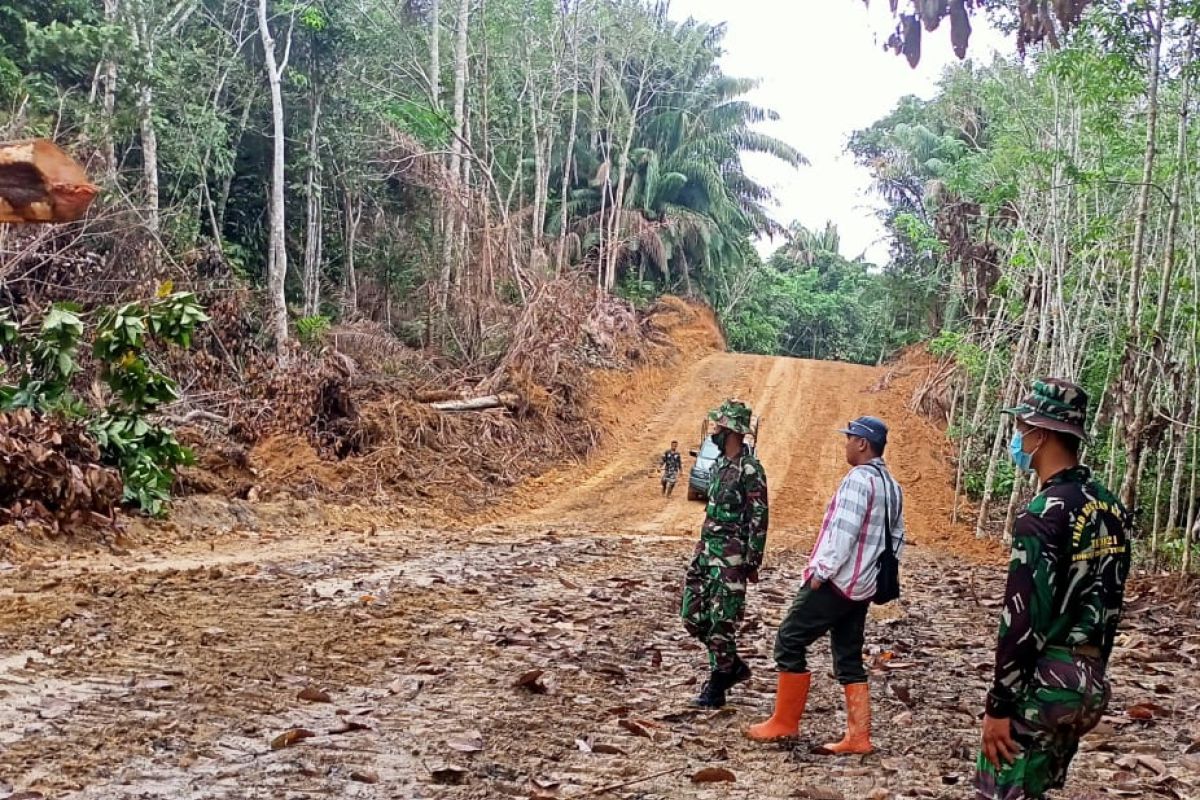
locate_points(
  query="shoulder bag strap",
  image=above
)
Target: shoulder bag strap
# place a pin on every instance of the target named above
(887, 514)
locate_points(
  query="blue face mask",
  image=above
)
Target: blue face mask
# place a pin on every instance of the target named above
(1016, 451)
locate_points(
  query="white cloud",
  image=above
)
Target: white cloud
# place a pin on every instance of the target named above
(823, 68)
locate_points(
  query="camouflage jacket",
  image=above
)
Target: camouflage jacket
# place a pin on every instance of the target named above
(1066, 580)
(672, 464)
(736, 518)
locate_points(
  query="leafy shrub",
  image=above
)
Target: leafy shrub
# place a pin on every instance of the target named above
(640, 293)
(309, 329)
(43, 364)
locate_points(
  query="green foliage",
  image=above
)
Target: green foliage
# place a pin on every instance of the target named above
(312, 18)
(690, 209)
(1012, 198)
(145, 453)
(945, 344)
(310, 329)
(48, 361)
(1002, 482)
(419, 120)
(1171, 548)
(967, 354)
(809, 301)
(696, 208)
(639, 292)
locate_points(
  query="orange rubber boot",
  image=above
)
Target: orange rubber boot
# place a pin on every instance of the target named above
(858, 723)
(790, 699)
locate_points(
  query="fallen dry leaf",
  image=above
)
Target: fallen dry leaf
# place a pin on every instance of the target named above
(636, 728)
(312, 694)
(902, 693)
(470, 742)
(291, 737)
(364, 776)
(211, 636)
(714, 775)
(54, 709)
(349, 726)
(1152, 763)
(531, 681)
(1146, 711)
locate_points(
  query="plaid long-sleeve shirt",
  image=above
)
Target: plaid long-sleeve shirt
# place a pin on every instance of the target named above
(852, 534)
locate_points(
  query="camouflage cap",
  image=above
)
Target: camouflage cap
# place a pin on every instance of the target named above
(1056, 405)
(733, 414)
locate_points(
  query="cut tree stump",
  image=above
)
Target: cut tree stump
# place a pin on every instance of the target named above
(40, 183)
(505, 400)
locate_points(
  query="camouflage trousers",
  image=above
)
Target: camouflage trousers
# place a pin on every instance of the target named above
(1065, 699)
(714, 599)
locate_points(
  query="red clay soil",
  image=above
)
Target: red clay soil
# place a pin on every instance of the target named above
(801, 403)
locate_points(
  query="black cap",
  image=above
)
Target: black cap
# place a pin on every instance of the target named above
(872, 429)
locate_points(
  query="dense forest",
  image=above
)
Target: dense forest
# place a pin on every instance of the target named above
(1043, 215)
(369, 159)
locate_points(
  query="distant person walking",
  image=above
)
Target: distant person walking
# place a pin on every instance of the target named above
(732, 541)
(1062, 604)
(672, 465)
(843, 574)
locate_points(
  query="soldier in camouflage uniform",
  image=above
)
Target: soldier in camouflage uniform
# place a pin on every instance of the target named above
(672, 465)
(732, 541)
(1066, 585)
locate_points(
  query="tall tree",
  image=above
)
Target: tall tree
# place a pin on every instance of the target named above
(275, 65)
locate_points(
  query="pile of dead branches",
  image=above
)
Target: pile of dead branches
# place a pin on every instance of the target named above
(50, 472)
(934, 398)
(353, 411)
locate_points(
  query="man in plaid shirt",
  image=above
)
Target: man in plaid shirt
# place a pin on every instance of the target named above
(839, 584)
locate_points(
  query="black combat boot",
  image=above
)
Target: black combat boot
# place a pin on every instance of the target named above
(741, 672)
(712, 694)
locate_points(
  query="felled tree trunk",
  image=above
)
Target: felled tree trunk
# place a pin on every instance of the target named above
(41, 183)
(504, 400)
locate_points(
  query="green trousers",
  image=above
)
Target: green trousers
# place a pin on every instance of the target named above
(1065, 698)
(714, 599)
(812, 615)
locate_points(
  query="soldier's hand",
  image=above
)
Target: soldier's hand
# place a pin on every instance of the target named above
(998, 742)
(752, 576)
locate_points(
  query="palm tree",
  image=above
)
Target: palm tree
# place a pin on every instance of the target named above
(690, 206)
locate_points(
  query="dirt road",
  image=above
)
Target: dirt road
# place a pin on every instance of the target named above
(801, 404)
(538, 656)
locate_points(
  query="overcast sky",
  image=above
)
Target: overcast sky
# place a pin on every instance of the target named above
(823, 69)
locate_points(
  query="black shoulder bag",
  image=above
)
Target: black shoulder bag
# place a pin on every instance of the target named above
(887, 586)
